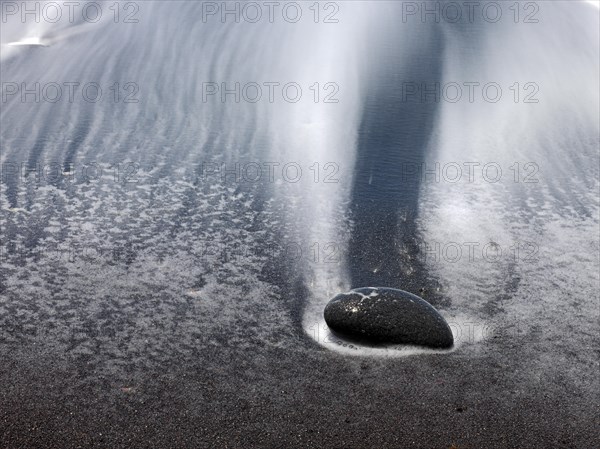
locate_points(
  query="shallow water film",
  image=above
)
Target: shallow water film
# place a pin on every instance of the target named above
(186, 185)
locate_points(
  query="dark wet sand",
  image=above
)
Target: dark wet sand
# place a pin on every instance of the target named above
(91, 359)
(492, 395)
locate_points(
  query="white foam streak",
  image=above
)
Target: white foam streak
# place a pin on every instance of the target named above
(558, 134)
(320, 137)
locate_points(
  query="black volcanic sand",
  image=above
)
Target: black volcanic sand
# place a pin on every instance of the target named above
(109, 351)
(151, 372)
(158, 370)
(502, 393)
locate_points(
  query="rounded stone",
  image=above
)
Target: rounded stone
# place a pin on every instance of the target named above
(387, 315)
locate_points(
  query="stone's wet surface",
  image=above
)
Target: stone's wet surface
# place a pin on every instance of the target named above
(387, 315)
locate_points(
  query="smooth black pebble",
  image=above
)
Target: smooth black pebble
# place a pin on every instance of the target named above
(387, 315)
